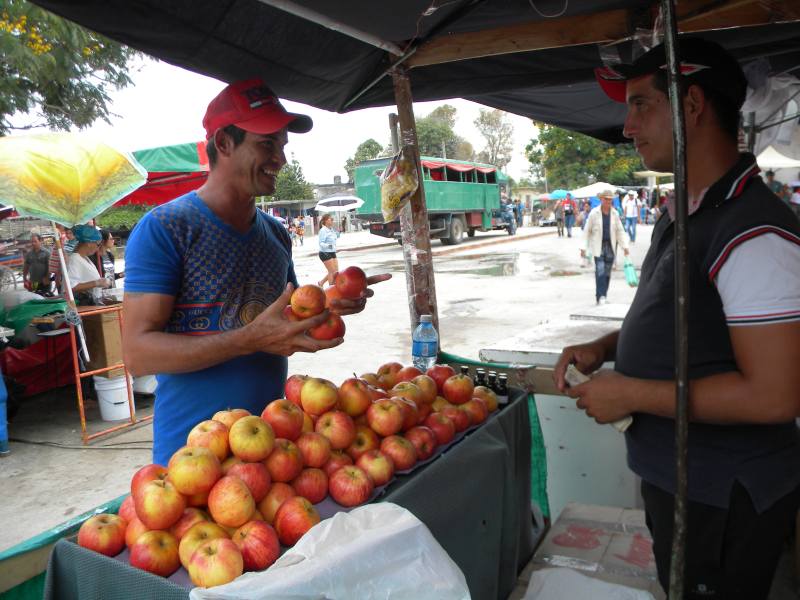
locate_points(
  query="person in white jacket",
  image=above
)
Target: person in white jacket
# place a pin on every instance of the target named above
(604, 231)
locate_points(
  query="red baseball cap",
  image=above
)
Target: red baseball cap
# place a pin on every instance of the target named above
(252, 106)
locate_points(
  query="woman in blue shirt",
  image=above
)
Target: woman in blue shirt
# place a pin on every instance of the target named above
(327, 248)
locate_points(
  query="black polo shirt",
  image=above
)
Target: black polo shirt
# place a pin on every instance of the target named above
(765, 459)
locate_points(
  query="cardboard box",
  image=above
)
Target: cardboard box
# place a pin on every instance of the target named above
(104, 342)
(604, 542)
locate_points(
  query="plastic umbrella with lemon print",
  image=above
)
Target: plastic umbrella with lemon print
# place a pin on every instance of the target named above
(67, 178)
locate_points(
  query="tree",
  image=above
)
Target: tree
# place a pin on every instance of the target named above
(498, 132)
(53, 72)
(366, 150)
(292, 184)
(569, 160)
(435, 135)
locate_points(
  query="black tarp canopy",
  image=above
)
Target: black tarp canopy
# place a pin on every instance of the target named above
(505, 54)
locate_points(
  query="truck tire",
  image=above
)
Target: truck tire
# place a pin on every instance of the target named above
(456, 231)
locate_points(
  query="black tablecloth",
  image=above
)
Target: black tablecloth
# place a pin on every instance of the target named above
(475, 499)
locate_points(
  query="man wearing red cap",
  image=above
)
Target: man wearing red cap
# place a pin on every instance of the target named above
(744, 337)
(208, 276)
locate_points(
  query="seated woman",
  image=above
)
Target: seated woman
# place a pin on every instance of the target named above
(82, 270)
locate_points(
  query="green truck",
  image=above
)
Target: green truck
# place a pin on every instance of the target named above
(462, 197)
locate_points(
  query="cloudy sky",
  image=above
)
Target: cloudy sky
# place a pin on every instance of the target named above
(165, 105)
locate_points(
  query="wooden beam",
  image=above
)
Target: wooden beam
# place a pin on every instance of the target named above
(700, 15)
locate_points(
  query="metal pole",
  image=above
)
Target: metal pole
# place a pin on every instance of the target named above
(751, 131)
(677, 563)
(414, 225)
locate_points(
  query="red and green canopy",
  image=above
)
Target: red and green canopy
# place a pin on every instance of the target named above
(171, 172)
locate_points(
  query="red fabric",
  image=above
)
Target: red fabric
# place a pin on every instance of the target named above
(163, 187)
(35, 366)
(432, 164)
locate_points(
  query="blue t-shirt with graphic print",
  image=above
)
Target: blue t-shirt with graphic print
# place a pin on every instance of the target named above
(221, 279)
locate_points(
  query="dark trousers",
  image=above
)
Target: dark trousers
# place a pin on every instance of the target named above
(569, 222)
(602, 271)
(560, 227)
(731, 554)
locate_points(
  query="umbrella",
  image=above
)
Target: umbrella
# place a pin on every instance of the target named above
(558, 194)
(338, 203)
(67, 178)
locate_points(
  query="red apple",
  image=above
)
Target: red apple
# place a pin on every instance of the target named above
(424, 441)
(440, 374)
(285, 462)
(308, 423)
(230, 502)
(458, 389)
(315, 449)
(285, 417)
(332, 293)
(385, 417)
(189, 518)
(331, 328)
(307, 301)
(366, 439)
(258, 543)
(318, 396)
(230, 416)
(407, 374)
(289, 315)
(354, 396)
(337, 460)
(198, 534)
(410, 412)
(424, 411)
(439, 403)
(376, 393)
(443, 428)
(229, 462)
(487, 395)
(292, 388)
(145, 475)
(215, 562)
(251, 439)
(294, 517)
(400, 450)
(103, 533)
(427, 386)
(338, 427)
(477, 410)
(370, 378)
(212, 435)
(194, 470)
(155, 552)
(350, 486)
(159, 504)
(196, 500)
(132, 532)
(406, 389)
(379, 466)
(351, 282)
(311, 484)
(273, 500)
(387, 375)
(255, 477)
(127, 510)
(458, 416)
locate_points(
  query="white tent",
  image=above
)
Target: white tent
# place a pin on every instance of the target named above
(588, 191)
(772, 159)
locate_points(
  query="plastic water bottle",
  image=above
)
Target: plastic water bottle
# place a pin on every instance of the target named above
(425, 344)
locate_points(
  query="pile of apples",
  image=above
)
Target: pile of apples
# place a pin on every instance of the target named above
(310, 300)
(244, 485)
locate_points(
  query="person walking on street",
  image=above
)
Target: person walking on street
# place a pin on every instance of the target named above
(630, 208)
(327, 248)
(569, 213)
(208, 276)
(35, 269)
(744, 327)
(301, 229)
(773, 184)
(604, 232)
(558, 213)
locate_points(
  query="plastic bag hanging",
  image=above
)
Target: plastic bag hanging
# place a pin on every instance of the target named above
(399, 181)
(630, 273)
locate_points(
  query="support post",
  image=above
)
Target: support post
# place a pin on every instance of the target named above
(678, 553)
(414, 225)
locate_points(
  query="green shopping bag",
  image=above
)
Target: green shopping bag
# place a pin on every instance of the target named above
(630, 273)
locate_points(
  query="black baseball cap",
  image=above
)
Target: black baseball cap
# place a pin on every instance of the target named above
(701, 61)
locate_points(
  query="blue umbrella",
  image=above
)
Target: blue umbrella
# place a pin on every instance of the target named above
(558, 194)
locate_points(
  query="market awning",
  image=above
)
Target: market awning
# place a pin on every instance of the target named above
(433, 164)
(772, 159)
(171, 172)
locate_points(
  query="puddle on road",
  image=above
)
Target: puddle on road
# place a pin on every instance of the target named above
(564, 273)
(493, 265)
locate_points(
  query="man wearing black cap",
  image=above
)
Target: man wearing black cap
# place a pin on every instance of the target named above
(744, 332)
(208, 276)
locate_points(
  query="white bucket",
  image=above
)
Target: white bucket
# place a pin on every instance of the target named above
(112, 395)
(145, 384)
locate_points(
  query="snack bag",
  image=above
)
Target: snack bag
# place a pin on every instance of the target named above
(398, 182)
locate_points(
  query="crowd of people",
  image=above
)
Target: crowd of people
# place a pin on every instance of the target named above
(88, 256)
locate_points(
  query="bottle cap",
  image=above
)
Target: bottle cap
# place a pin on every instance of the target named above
(425, 319)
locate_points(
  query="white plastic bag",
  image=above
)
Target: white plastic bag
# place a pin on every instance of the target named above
(375, 551)
(567, 584)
